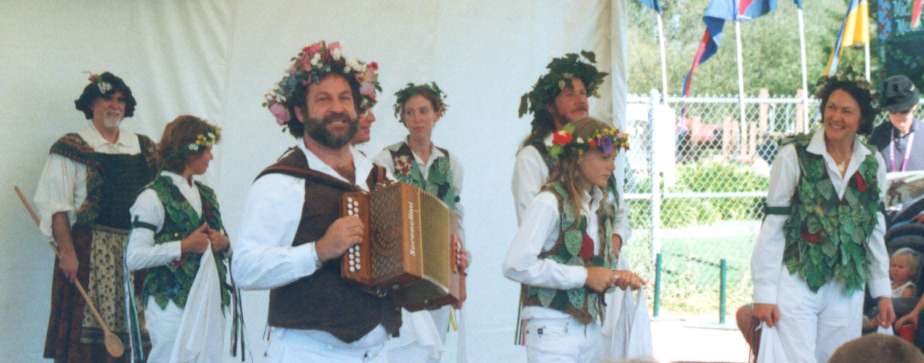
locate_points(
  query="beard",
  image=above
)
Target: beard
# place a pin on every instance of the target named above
(317, 130)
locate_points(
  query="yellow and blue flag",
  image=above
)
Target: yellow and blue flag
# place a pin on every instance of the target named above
(854, 31)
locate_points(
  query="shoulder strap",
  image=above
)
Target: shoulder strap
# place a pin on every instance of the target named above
(73, 147)
(293, 163)
(544, 152)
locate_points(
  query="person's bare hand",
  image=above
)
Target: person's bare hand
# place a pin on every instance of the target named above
(768, 313)
(626, 279)
(909, 319)
(340, 235)
(886, 312)
(67, 263)
(196, 241)
(464, 257)
(599, 278)
(220, 241)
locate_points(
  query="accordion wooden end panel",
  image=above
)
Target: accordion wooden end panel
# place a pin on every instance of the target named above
(406, 248)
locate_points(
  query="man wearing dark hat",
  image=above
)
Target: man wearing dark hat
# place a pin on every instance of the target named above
(896, 140)
(88, 184)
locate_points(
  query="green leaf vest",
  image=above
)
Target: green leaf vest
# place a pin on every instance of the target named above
(439, 177)
(826, 236)
(582, 303)
(172, 282)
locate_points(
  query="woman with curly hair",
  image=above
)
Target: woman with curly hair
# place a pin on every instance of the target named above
(563, 254)
(175, 219)
(822, 240)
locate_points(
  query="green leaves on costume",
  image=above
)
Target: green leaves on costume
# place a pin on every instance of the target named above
(580, 302)
(826, 236)
(173, 282)
(439, 176)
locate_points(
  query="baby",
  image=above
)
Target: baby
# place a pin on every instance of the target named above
(903, 270)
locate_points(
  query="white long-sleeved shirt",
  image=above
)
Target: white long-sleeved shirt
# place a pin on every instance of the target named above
(142, 252)
(264, 257)
(383, 159)
(62, 186)
(767, 260)
(529, 175)
(539, 232)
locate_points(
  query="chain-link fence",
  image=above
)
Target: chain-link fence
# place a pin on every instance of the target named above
(704, 201)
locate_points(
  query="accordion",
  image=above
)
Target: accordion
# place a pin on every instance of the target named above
(407, 249)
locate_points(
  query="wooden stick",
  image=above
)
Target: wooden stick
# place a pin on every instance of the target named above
(53, 245)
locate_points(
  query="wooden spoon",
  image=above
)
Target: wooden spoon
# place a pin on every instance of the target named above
(112, 342)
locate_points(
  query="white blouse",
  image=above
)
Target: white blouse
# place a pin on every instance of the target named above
(142, 252)
(530, 174)
(537, 233)
(767, 259)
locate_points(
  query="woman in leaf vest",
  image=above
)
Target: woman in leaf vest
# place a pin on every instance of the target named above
(174, 220)
(417, 161)
(563, 253)
(822, 240)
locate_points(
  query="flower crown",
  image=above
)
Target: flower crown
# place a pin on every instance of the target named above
(411, 89)
(102, 85)
(606, 141)
(201, 143)
(312, 64)
(561, 72)
(845, 74)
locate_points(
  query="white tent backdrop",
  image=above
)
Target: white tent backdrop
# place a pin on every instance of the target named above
(217, 58)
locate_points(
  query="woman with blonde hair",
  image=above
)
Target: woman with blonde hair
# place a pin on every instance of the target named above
(562, 253)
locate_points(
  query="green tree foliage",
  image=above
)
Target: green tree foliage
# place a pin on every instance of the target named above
(770, 48)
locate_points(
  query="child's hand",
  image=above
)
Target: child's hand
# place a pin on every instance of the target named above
(626, 279)
(600, 278)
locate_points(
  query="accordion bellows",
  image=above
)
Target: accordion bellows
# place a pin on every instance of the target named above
(407, 249)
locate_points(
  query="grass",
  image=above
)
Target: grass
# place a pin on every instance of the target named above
(690, 279)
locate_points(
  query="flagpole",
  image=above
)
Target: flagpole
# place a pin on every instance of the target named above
(864, 13)
(663, 59)
(805, 120)
(741, 137)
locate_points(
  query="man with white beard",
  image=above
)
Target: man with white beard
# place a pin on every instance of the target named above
(88, 184)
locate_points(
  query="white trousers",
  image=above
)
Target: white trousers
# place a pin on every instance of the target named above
(308, 346)
(410, 347)
(162, 326)
(562, 340)
(812, 324)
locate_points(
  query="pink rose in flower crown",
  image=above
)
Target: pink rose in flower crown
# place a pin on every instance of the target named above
(313, 48)
(280, 112)
(367, 89)
(333, 49)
